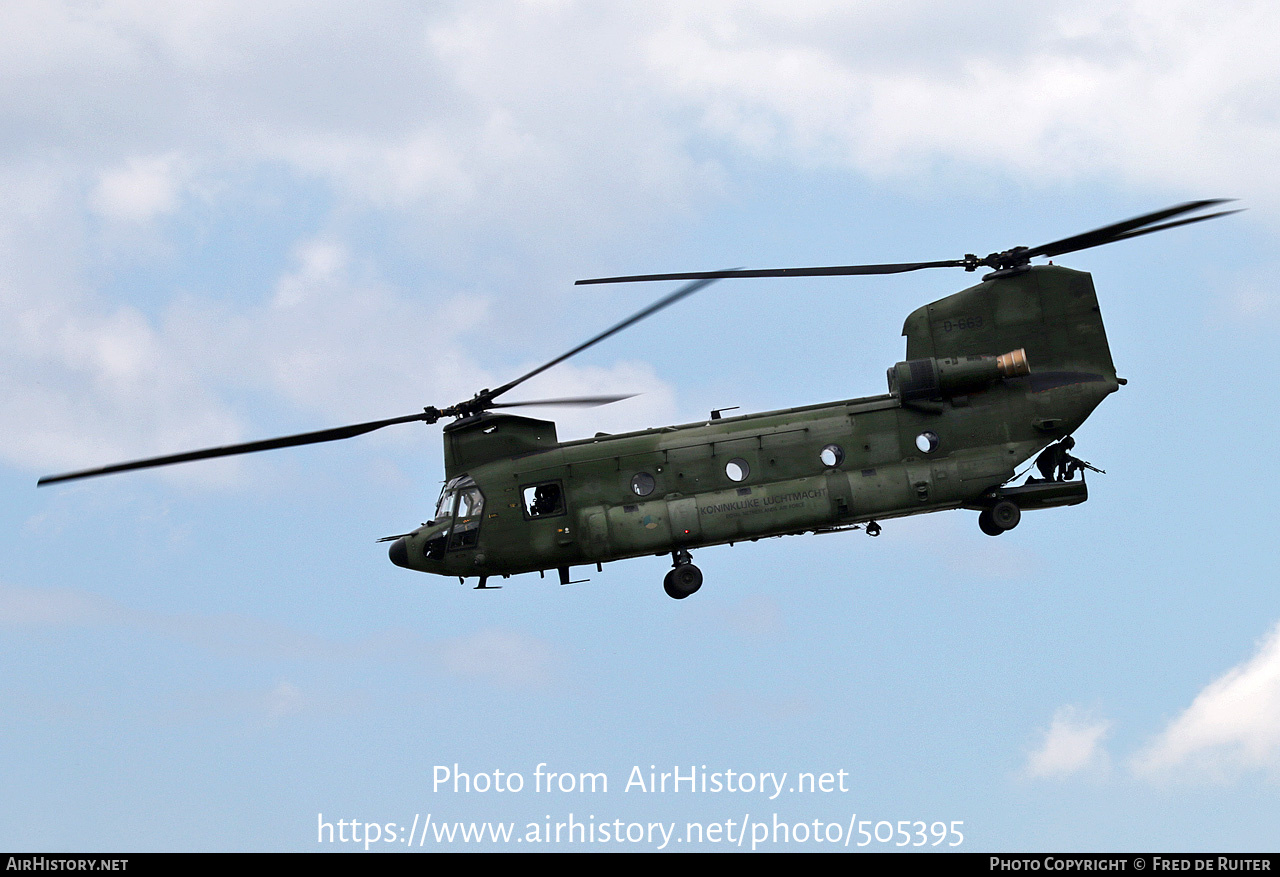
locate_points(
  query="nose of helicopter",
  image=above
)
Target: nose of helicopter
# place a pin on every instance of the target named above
(399, 553)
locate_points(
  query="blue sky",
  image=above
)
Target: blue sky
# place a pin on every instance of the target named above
(226, 221)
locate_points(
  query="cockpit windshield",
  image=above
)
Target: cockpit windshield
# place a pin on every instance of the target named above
(471, 499)
(444, 506)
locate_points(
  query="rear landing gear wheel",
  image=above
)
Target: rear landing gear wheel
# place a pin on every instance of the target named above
(1001, 517)
(682, 581)
(1006, 514)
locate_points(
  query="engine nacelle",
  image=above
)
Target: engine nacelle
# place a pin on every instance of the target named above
(920, 379)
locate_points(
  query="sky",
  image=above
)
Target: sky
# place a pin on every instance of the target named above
(229, 221)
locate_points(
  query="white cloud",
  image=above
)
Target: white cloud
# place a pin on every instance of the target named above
(1233, 725)
(1170, 95)
(140, 191)
(88, 382)
(503, 134)
(506, 109)
(82, 380)
(1072, 744)
(336, 339)
(473, 113)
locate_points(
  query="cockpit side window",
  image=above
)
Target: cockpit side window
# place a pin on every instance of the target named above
(543, 500)
(470, 504)
(461, 502)
(466, 520)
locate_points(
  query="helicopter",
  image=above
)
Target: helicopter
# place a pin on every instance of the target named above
(993, 375)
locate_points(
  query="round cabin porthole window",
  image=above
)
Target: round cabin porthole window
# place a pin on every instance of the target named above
(832, 456)
(642, 484)
(737, 469)
(927, 442)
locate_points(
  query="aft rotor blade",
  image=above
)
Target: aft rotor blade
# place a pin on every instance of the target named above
(684, 291)
(830, 271)
(583, 401)
(1127, 229)
(1012, 258)
(305, 438)
(1164, 225)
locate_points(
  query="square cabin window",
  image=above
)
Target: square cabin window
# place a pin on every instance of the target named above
(543, 500)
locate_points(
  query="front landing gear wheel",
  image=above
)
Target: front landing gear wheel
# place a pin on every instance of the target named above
(873, 529)
(682, 581)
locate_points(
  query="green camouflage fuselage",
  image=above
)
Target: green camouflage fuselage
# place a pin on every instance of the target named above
(949, 435)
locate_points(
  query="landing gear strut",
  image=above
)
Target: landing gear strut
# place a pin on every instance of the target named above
(684, 578)
(1001, 517)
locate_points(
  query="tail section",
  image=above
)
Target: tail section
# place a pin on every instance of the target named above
(1049, 312)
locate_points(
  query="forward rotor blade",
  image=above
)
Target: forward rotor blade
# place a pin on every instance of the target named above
(583, 401)
(305, 438)
(831, 271)
(1127, 229)
(431, 415)
(684, 291)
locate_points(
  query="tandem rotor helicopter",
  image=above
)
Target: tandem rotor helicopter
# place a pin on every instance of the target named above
(993, 375)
